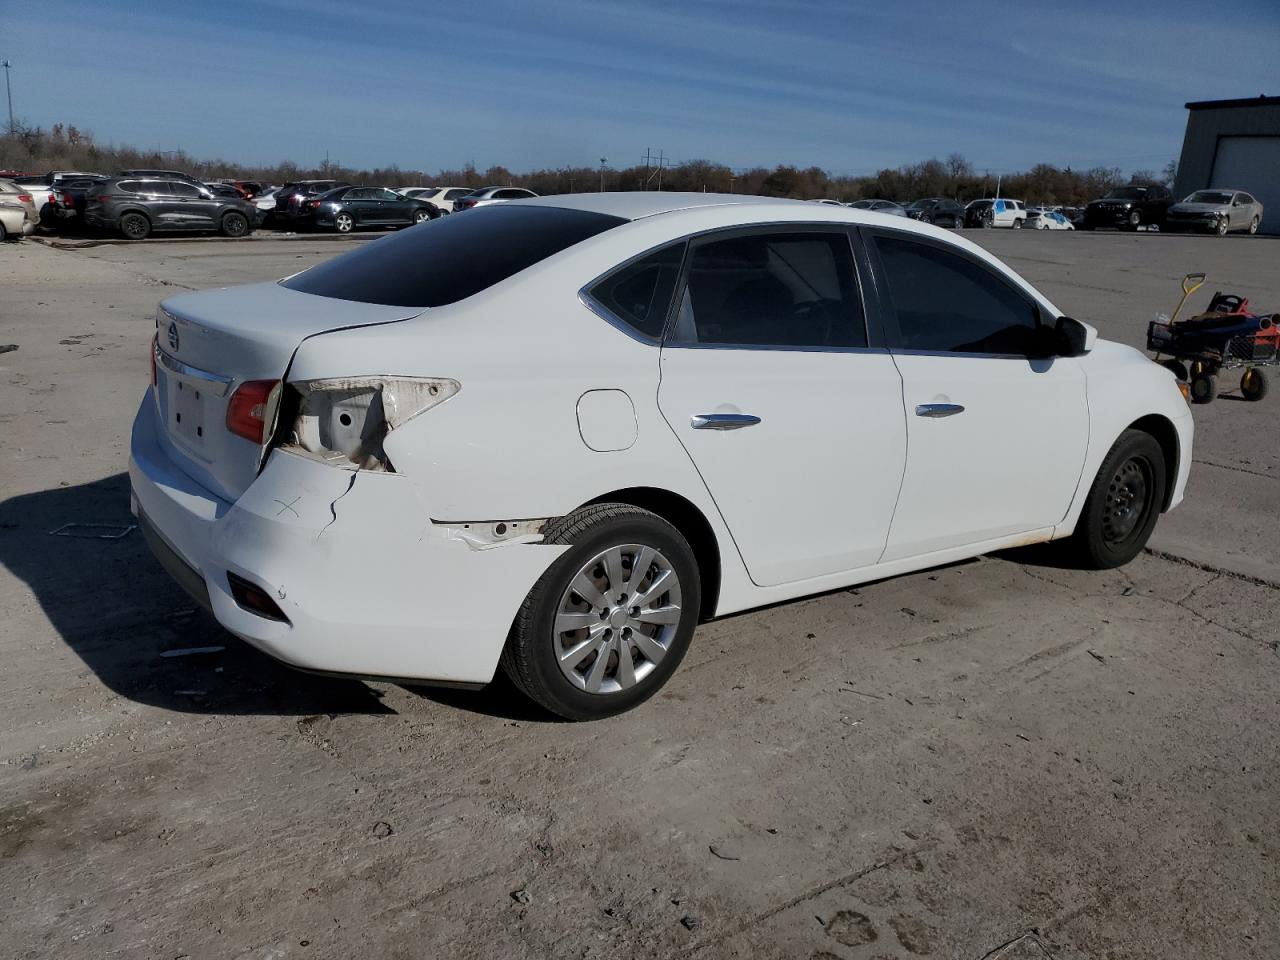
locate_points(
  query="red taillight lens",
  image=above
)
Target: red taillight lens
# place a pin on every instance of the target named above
(103, 198)
(154, 346)
(24, 198)
(247, 413)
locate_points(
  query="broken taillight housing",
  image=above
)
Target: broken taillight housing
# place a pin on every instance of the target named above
(344, 421)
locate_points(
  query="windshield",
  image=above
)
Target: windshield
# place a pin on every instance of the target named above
(920, 204)
(1209, 196)
(452, 258)
(1127, 193)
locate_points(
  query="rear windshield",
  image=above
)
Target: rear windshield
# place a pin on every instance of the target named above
(451, 258)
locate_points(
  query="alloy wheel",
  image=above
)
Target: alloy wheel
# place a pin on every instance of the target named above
(344, 223)
(617, 618)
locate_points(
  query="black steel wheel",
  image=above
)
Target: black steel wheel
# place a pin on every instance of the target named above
(1124, 502)
(1253, 384)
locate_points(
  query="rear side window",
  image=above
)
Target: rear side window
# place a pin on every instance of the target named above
(451, 258)
(784, 290)
(944, 302)
(640, 293)
(183, 190)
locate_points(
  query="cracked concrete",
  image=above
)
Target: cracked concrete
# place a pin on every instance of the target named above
(998, 759)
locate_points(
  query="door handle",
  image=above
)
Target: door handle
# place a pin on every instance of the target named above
(935, 410)
(722, 421)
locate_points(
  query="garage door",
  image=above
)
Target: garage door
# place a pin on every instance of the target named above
(1252, 164)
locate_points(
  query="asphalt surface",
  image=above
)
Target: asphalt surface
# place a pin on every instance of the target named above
(1002, 758)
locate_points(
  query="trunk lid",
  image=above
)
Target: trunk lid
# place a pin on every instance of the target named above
(211, 342)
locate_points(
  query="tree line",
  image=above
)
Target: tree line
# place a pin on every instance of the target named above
(36, 150)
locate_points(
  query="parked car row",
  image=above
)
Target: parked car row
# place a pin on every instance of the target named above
(1131, 207)
(137, 203)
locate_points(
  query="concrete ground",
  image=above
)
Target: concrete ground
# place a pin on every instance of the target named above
(1002, 758)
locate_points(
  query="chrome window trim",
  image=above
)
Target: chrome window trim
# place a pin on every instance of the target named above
(218, 384)
(605, 314)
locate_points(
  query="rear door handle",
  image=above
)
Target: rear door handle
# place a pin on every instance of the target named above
(722, 421)
(935, 410)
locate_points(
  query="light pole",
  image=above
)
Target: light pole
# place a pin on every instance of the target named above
(8, 92)
(603, 161)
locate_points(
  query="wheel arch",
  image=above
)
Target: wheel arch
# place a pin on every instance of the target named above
(1165, 434)
(693, 526)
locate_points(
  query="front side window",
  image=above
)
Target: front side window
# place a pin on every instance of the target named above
(945, 302)
(772, 289)
(640, 293)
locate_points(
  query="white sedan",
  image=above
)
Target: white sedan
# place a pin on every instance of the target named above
(556, 434)
(1040, 218)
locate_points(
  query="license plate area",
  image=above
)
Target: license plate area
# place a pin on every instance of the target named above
(191, 411)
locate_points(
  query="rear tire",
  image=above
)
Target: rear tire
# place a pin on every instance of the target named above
(4, 234)
(1017, 223)
(1253, 384)
(135, 226)
(235, 225)
(344, 223)
(556, 662)
(1123, 503)
(1204, 388)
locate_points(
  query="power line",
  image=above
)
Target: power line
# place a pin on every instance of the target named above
(8, 92)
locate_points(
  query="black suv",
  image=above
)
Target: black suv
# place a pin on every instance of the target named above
(1128, 208)
(937, 210)
(136, 207)
(291, 197)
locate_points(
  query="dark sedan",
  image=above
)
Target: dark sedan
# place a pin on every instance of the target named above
(348, 208)
(938, 210)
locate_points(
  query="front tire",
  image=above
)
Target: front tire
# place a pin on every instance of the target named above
(4, 234)
(605, 627)
(1123, 504)
(235, 225)
(1222, 227)
(1204, 388)
(1135, 220)
(419, 216)
(1253, 225)
(135, 226)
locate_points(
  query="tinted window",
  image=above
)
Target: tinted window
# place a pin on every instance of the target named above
(358, 193)
(183, 190)
(381, 194)
(1245, 198)
(778, 289)
(640, 294)
(449, 259)
(457, 194)
(511, 194)
(946, 302)
(153, 188)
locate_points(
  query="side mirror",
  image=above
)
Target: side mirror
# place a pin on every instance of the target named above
(1075, 339)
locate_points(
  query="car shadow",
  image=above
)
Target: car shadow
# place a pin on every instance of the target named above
(119, 612)
(501, 699)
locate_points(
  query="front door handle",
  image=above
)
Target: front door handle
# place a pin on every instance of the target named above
(935, 410)
(722, 421)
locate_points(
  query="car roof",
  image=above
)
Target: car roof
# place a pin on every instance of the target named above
(635, 205)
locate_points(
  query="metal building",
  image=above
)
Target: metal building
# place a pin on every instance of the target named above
(1236, 144)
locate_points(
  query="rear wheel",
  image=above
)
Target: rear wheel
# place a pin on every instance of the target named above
(1017, 223)
(605, 627)
(235, 225)
(1253, 385)
(344, 222)
(135, 226)
(1123, 504)
(4, 234)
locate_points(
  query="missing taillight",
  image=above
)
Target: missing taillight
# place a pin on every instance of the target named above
(345, 421)
(155, 345)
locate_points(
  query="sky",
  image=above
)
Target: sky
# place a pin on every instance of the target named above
(850, 86)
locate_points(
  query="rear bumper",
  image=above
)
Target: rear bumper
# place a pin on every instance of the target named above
(369, 584)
